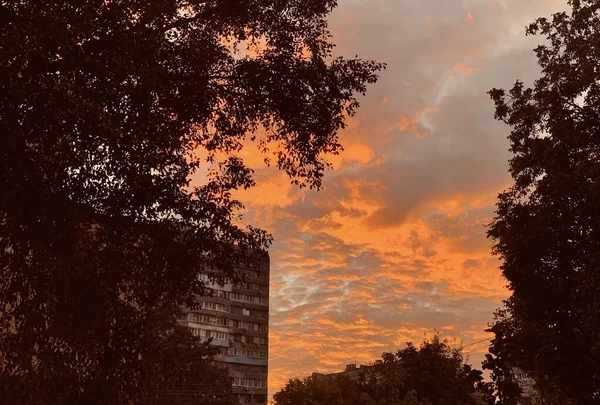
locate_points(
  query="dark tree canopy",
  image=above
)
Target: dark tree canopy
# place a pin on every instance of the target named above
(311, 391)
(547, 225)
(432, 374)
(107, 108)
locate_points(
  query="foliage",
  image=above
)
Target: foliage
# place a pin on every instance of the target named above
(174, 367)
(506, 386)
(435, 371)
(547, 225)
(107, 110)
(433, 374)
(312, 390)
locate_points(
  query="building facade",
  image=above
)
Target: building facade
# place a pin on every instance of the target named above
(237, 320)
(351, 372)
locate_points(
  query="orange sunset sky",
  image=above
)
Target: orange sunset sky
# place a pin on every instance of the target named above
(394, 246)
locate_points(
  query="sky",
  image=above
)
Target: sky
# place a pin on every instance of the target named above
(394, 247)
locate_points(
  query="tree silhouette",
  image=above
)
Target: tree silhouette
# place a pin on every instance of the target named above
(434, 373)
(107, 110)
(431, 374)
(547, 226)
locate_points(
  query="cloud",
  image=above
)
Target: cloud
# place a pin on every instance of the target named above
(395, 245)
(462, 67)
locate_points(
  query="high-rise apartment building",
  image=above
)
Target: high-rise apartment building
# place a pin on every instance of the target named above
(237, 320)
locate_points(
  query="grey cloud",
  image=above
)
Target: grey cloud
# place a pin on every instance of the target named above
(467, 150)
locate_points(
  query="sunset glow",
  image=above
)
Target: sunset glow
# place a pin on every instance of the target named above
(395, 245)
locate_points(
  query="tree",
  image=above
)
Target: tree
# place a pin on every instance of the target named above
(505, 385)
(312, 390)
(107, 110)
(184, 373)
(178, 369)
(433, 374)
(547, 225)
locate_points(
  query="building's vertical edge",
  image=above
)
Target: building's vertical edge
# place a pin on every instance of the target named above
(268, 269)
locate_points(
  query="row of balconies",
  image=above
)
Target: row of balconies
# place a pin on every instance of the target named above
(252, 390)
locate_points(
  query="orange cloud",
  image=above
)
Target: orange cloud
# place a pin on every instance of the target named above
(413, 124)
(292, 320)
(273, 191)
(462, 67)
(425, 153)
(354, 153)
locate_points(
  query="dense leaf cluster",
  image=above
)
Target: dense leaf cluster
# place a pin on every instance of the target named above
(108, 109)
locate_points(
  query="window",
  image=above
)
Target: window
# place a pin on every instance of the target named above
(250, 274)
(250, 298)
(245, 311)
(210, 334)
(259, 314)
(212, 281)
(259, 340)
(255, 287)
(245, 325)
(213, 306)
(256, 353)
(247, 382)
(218, 335)
(198, 332)
(247, 368)
(234, 351)
(260, 399)
(222, 294)
(210, 319)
